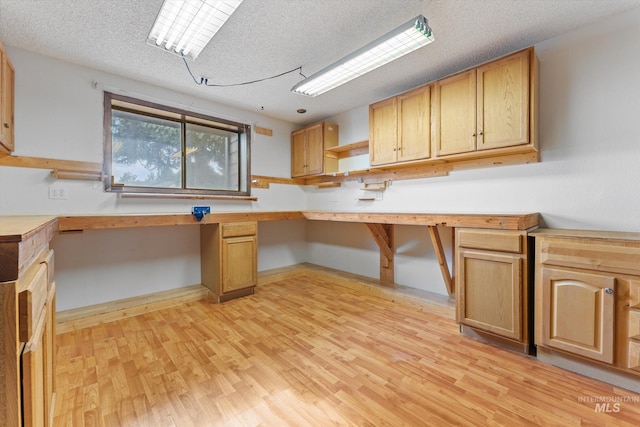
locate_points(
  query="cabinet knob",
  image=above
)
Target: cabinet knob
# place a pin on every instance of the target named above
(473, 135)
(608, 291)
(480, 133)
(6, 125)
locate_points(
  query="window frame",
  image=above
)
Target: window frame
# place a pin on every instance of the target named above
(186, 117)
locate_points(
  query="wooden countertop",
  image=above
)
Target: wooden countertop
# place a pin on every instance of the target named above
(21, 240)
(19, 228)
(99, 222)
(588, 234)
(495, 221)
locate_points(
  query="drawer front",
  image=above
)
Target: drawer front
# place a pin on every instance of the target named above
(591, 255)
(237, 229)
(31, 301)
(493, 240)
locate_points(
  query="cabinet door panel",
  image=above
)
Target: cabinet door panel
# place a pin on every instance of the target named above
(383, 132)
(414, 124)
(455, 114)
(297, 153)
(33, 378)
(239, 259)
(578, 309)
(490, 292)
(503, 102)
(8, 93)
(314, 150)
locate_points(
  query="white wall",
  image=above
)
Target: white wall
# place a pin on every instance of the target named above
(588, 177)
(59, 115)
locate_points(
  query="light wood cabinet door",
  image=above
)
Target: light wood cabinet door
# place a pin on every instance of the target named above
(7, 95)
(455, 114)
(414, 125)
(383, 132)
(314, 150)
(298, 153)
(503, 102)
(490, 292)
(578, 312)
(38, 365)
(239, 263)
(308, 147)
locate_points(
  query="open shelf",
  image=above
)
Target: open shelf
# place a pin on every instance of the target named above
(348, 150)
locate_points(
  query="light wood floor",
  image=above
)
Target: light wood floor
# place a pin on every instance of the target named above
(304, 351)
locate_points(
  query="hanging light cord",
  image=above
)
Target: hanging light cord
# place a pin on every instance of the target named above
(205, 81)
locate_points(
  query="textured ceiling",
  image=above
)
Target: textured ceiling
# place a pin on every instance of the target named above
(267, 37)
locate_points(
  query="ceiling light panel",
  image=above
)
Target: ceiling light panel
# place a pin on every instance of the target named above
(185, 27)
(393, 45)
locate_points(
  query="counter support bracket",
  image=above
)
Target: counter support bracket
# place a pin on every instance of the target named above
(383, 236)
(442, 259)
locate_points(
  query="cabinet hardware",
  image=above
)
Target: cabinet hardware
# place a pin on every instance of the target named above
(609, 291)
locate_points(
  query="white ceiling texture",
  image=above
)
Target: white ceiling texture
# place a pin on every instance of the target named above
(268, 37)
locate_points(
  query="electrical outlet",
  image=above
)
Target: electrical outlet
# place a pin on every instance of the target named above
(57, 193)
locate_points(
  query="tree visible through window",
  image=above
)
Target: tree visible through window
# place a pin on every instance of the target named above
(151, 149)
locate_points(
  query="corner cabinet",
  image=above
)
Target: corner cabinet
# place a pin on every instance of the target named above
(229, 259)
(400, 128)
(27, 325)
(492, 284)
(308, 145)
(587, 296)
(7, 98)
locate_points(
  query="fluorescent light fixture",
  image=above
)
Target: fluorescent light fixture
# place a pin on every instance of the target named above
(185, 27)
(404, 39)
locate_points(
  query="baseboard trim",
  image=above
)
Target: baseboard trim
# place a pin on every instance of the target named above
(93, 315)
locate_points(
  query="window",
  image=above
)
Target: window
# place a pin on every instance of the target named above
(151, 148)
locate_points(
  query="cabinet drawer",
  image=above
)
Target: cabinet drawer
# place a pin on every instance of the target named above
(237, 229)
(31, 301)
(594, 256)
(493, 240)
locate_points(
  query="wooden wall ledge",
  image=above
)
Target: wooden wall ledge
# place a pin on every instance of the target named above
(493, 221)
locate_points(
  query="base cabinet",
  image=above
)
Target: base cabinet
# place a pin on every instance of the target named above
(587, 296)
(229, 259)
(27, 322)
(491, 283)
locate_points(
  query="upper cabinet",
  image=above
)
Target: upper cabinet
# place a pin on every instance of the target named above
(455, 114)
(7, 91)
(400, 128)
(308, 147)
(503, 102)
(487, 111)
